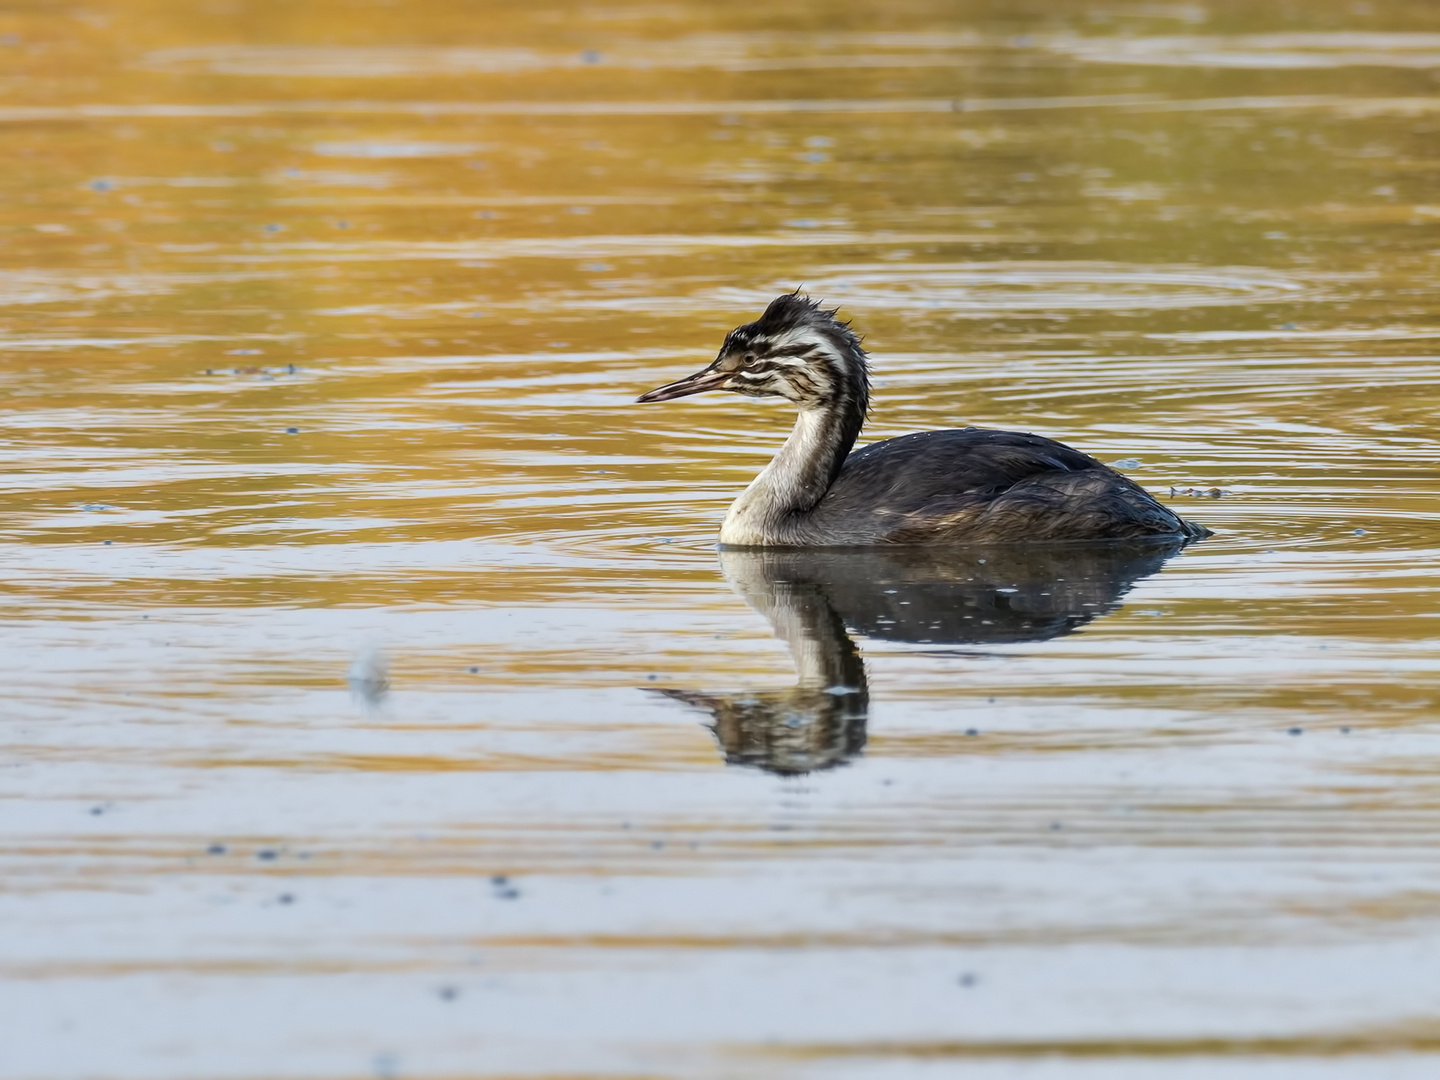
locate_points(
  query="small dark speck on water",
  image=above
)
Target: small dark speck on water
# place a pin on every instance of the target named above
(887, 783)
(651, 677)
(286, 898)
(499, 879)
(97, 810)
(100, 185)
(1344, 731)
(1055, 826)
(448, 993)
(969, 979)
(974, 731)
(273, 228)
(292, 431)
(590, 56)
(1288, 326)
(1359, 532)
(508, 894)
(474, 671)
(107, 543)
(1296, 731)
(658, 845)
(216, 849)
(267, 854)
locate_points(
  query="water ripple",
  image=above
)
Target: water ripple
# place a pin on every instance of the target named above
(1263, 51)
(986, 287)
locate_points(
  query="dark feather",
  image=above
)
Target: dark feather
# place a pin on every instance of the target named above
(975, 485)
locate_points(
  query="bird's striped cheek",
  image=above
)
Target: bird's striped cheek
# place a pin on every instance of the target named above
(799, 384)
(804, 385)
(752, 382)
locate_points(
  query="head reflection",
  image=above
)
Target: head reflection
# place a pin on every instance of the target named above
(972, 596)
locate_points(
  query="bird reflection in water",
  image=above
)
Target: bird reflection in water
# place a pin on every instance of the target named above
(815, 599)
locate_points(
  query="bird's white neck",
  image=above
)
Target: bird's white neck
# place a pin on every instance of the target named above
(795, 480)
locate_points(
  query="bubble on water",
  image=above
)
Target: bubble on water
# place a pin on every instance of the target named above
(369, 676)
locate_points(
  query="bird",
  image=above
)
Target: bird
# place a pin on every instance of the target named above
(959, 486)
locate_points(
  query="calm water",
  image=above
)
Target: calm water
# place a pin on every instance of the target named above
(377, 703)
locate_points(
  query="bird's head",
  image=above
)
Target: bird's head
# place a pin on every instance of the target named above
(796, 350)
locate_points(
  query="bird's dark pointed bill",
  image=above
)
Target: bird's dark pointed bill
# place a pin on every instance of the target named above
(708, 379)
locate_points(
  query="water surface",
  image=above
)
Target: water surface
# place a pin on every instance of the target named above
(378, 704)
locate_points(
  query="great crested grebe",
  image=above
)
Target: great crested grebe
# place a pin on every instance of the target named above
(965, 486)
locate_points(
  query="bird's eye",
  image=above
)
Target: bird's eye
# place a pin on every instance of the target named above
(749, 360)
